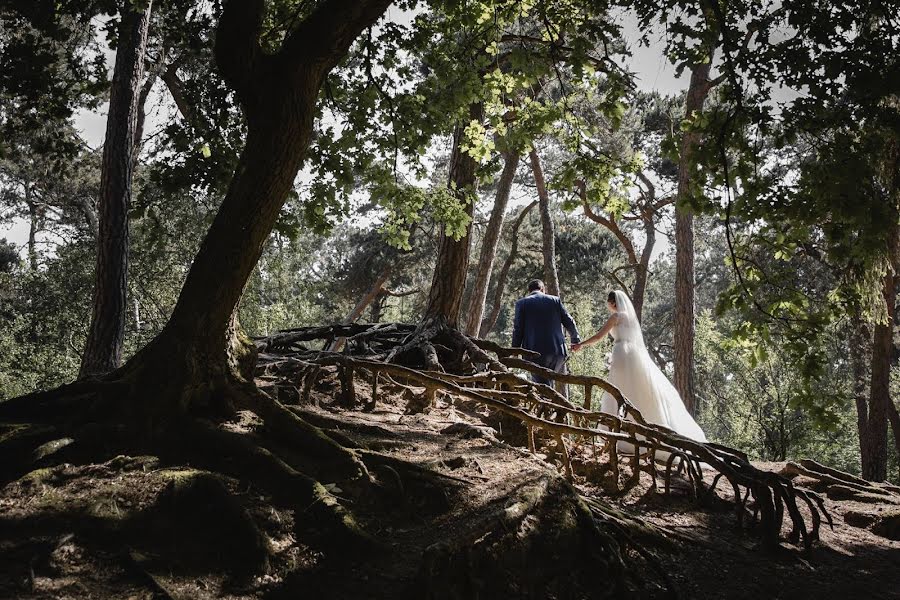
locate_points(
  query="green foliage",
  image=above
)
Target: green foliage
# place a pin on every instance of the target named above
(754, 399)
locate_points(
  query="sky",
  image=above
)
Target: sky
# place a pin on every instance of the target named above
(653, 70)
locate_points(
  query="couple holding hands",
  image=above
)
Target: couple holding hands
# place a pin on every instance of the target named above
(538, 326)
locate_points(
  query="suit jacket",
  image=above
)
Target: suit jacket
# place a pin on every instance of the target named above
(539, 323)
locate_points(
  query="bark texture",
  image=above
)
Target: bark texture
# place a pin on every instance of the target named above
(548, 232)
(489, 244)
(278, 94)
(500, 285)
(103, 349)
(449, 280)
(873, 440)
(684, 240)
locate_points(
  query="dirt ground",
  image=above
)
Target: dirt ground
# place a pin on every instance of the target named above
(101, 531)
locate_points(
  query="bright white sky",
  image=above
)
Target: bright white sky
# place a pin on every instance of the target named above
(654, 72)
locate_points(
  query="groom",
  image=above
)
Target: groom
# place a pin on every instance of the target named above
(538, 326)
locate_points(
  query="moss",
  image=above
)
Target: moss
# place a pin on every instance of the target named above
(38, 476)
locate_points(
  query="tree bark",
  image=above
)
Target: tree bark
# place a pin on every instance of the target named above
(894, 420)
(500, 285)
(642, 268)
(103, 349)
(873, 445)
(489, 244)
(859, 341)
(449, 280)
(684, 239)
(278, 93)
(33, 226)
(548, 233)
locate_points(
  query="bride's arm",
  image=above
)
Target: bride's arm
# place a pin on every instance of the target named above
(610, 323)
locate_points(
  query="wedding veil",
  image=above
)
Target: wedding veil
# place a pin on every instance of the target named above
(629, 327)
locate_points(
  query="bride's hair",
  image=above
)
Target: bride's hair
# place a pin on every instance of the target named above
(611, 298)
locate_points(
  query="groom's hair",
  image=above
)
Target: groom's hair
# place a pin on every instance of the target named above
(535, 284)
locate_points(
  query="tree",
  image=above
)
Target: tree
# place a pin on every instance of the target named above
(103, 349)
(647, 211)
(548, 237)
(449, 282)
(503, 275)
(840, 209)
(685, 318)
(156, 393)
(489, 244)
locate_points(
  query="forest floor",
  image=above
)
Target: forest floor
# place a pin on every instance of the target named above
(101, 531)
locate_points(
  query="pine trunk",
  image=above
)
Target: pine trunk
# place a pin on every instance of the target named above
(860, 343)
(449, 280)
(873, 445)
(500, 285)
(548, 233)
(642, 269)
(489, 244)
(33, 226)
(684, 241)
(103, 349)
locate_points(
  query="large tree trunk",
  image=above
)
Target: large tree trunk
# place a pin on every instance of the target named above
(684, 240)
(489, 244)
(874, 443)
(548, 233)
(278, 94)
(449, 280)
(894, 419)
(500, 285)
(103, 349)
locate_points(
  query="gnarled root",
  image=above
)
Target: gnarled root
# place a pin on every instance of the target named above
(317, 511)
(538, 542)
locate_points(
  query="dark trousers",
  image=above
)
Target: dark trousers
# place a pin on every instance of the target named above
(554, 362)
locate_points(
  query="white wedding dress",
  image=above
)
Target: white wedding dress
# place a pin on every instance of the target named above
(639, 379)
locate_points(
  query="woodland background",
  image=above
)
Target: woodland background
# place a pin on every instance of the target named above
(788, 289)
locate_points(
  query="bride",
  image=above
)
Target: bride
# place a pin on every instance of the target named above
(636, 375)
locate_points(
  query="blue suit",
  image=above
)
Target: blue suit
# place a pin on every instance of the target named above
(538, 326)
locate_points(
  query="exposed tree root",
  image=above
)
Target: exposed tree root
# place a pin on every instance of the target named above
(529, 544)
(468, 370)
(91, 421)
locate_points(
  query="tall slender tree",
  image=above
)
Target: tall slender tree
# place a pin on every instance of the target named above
(685, 318)
(489, 244)
(106, 334)
(548, 228)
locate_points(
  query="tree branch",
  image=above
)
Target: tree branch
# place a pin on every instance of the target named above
(325, 36)
(237, 49)
(610, 224)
